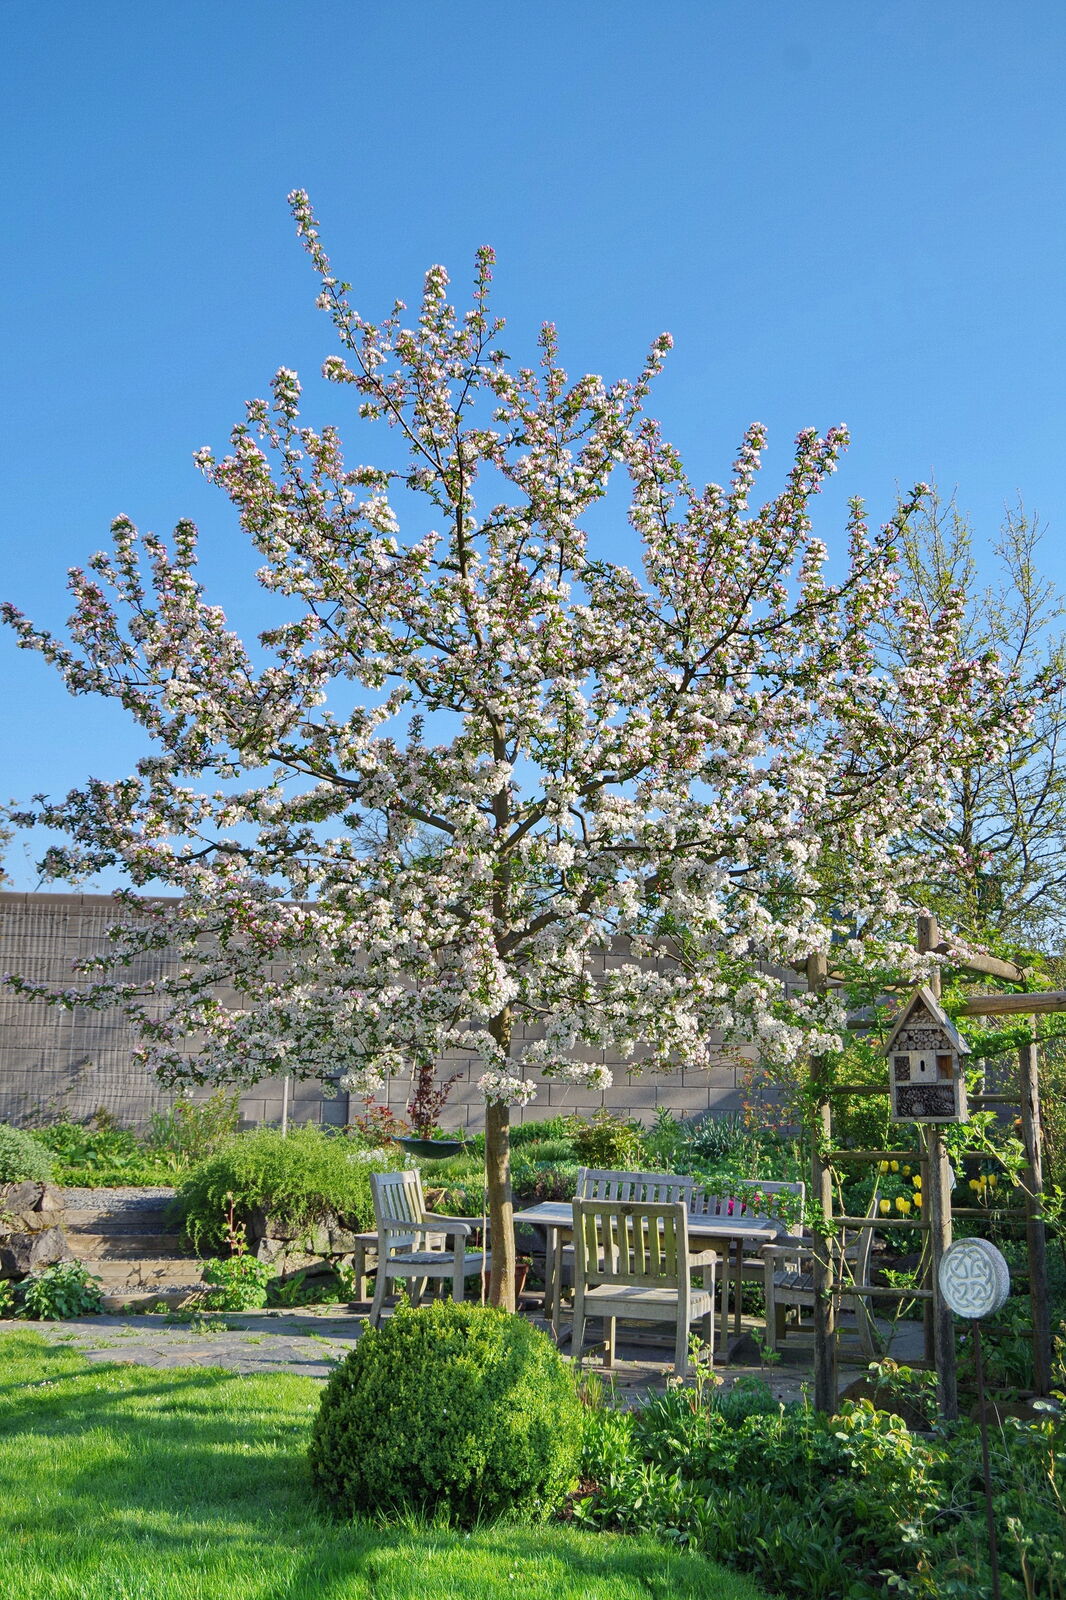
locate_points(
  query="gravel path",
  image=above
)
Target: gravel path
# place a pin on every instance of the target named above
(116, 1199)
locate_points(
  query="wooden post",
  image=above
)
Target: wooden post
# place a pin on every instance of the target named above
(825, 1352)
(1028, 1075)
(936, 1204)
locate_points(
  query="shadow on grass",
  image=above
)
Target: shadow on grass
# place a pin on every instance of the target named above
(120, 1481)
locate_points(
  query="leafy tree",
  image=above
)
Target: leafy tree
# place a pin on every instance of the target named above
(466, 759)
(996, 861)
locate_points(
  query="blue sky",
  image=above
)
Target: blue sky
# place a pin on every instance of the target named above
(841, 212)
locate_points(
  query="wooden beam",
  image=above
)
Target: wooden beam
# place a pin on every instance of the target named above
(1015, 1005)
(936, 1212)
(977, 961)
(1039, 1299)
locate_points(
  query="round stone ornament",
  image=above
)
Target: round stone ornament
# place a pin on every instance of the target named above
(974, 1278)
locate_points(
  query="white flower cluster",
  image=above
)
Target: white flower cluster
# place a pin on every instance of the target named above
(479, 793)
(504, 1088)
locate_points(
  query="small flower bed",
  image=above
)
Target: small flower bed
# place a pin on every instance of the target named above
(850, 1507)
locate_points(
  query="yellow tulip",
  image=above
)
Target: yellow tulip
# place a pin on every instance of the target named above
(906, 1172)
(917, 1180)
(895, 1166)
(885, 1207)
(975, 1186)
(903, 1205)
(883, 1166)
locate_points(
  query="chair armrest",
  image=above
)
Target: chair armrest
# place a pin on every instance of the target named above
(445, 1225)
(451, 1224)
(785, 1249)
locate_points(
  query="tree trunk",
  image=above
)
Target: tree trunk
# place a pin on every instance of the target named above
(500, 1205)
(498, 1184)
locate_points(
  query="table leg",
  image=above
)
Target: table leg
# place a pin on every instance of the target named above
(556, 1276)
(738, 1285)
(723, 1338)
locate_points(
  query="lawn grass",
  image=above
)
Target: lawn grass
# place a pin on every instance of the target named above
(122, 1482)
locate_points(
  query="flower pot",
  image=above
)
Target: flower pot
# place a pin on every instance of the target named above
(432, 1149)
(521, 1272)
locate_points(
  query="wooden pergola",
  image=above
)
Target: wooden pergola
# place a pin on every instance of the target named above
(936, 1218)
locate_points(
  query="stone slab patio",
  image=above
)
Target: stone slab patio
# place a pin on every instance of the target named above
(312, 1342)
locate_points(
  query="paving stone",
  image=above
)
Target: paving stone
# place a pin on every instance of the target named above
(312, 1343)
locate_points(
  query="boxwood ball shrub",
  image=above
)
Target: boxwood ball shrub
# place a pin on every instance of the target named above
(461, 1411)
(22, 1157)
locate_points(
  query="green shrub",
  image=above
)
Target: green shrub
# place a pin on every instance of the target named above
(526, 1133)
(853, 1505)
(98, 1153)
(719, 1138)
(455, 1186)
(454, 1410)
(239, 1283)
(193, 1129)
(22, 1156)
(547, 1153)
(303, 1179)
(607, 1142)
(534, 1184)
(57, 1293)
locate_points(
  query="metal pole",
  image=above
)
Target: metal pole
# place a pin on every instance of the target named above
(285, 1107)
(993, 1546)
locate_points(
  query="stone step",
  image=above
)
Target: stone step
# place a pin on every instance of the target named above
(99, 1219)
(128, 1247)
(136, 1299)
(146, 1272)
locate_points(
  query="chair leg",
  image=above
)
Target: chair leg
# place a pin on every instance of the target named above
(868, 1335)
(380, 1289)
(577, 1340)
(360, 1273)
(708, 1320)
(458, 1288)
(609, 1324)
(681, 1348)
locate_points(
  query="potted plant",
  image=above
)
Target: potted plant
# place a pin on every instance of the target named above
(428, 1099)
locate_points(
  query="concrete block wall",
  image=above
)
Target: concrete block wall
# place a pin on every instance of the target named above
(57, 1063)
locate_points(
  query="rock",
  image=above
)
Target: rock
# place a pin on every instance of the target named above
(744, 1351)
(52, 1201)
(23, 1253)
(30, 1207)
(17, 1198)
(343, 1242)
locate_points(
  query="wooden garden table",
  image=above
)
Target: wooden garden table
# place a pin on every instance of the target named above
(725, 1235)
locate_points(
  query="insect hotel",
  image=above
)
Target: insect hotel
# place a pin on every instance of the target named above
(925, 1055)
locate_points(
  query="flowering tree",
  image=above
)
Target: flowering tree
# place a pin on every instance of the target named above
(469, 756)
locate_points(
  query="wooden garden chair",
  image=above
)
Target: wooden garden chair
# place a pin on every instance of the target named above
(413, 1242)
(744, 1201)
(788, 1281)
(631, 1260)
(605, 1183)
